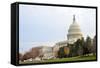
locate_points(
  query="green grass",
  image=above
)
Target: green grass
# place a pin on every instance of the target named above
(78, 58)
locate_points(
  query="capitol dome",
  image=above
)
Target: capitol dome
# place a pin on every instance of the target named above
(74, 32)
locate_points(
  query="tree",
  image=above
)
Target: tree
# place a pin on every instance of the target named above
(26, 56)
(81, 48)
(20, 56)
(63, 52)
(66, 51)
(87, 46)
(33, 53)
(76, 49)
(94, 45)
(72, 50)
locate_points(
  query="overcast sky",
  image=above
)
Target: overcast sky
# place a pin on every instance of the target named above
(46, 25)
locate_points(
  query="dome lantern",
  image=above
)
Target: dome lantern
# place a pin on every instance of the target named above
(73, 18)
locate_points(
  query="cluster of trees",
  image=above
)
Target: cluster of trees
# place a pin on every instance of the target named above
(63, 52)
(79, 48)
(33, 53)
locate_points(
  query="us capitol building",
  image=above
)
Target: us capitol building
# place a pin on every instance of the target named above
(74, 33)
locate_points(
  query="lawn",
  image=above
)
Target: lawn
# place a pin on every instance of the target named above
(78, 58)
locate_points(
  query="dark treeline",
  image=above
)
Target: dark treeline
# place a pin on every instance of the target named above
(80, 48)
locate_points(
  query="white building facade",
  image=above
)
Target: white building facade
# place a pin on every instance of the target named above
(47, 52)
(74, 32)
